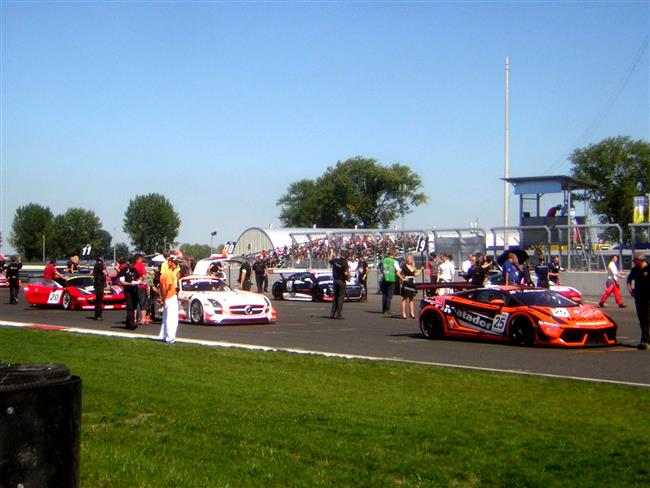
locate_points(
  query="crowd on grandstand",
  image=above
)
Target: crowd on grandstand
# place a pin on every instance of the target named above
(368, 246)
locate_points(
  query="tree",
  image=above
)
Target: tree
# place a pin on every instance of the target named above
(197, 251)
(619, 169)
(104, 247)
(121, 251)
(73, 230)
(358, 191)
(30, 224)
(305, 205)
(151, 222)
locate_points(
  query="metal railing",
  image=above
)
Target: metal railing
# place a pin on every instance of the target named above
(584, 245)
(579, 246)
(633, 232)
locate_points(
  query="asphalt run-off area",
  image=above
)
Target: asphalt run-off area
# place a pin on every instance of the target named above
(365, 333)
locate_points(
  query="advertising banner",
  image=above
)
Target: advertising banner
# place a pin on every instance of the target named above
(640, 214)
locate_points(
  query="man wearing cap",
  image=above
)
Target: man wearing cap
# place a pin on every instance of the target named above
(640, 276)
(168, 290)
(130, 279)
(13, 270)
(99, 275)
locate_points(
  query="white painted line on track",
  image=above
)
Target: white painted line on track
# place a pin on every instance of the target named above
(254, 347)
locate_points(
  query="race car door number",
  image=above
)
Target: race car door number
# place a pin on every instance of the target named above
(55, 297)
(499, 324)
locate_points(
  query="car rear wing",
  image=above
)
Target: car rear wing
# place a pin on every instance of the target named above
(289, 271)
(431, 288)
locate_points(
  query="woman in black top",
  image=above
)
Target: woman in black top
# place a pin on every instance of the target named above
(407, 275)
(73, 265)
(480, 270)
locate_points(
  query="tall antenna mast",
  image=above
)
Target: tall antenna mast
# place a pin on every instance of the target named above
(506, 159)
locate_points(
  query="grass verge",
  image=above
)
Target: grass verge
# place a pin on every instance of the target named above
(190, 416)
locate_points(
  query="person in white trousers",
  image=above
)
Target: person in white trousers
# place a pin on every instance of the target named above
(168, 290)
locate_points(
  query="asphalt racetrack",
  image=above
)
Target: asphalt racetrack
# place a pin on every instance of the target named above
(365, 332)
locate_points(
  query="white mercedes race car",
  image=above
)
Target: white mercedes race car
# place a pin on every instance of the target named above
(207, 300)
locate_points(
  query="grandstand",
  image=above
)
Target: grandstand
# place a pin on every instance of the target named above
(309, 247)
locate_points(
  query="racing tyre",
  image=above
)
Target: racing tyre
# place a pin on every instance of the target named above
(196, 312)
(521, 332)
(66, 301)
(431, 326)
(276, 291)
(317, 294)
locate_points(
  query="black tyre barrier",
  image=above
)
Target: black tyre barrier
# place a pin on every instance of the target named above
(40, 426)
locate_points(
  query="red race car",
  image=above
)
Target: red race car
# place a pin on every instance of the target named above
(75, 292)
(520, 315)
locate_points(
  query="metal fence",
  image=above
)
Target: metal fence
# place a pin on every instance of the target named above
(581, 247)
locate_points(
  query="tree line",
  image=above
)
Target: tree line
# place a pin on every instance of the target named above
(359, 192)
(150, 221)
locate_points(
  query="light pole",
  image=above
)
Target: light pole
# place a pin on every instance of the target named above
(402, 189)
(506, 159)
(212, 234)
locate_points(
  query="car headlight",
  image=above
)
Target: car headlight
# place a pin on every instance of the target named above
(267, 302)
(215, 304)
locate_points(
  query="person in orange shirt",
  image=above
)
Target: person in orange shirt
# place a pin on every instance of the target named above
(168, 289)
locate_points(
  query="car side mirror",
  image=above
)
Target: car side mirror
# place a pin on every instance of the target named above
(497, 301)
(577, 299)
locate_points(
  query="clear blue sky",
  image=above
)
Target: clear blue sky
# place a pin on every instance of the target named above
(219, 106)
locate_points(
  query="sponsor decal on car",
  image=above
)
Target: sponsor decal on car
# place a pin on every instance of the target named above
(496, 325)
(560, 312)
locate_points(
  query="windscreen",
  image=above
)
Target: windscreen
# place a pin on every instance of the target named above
(204, 285)
(542, 298)
(81, 281)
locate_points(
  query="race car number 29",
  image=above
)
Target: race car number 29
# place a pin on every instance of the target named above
(54, 297)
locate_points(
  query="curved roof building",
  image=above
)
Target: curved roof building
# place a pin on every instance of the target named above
(255, 239)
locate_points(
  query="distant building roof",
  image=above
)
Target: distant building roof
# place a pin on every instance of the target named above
(532, 185)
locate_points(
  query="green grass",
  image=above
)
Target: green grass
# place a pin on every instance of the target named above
(189, 416)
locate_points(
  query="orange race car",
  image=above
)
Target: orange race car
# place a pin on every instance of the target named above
(517, 314)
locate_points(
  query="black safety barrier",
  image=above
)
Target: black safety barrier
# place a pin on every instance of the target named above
(40, 426)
